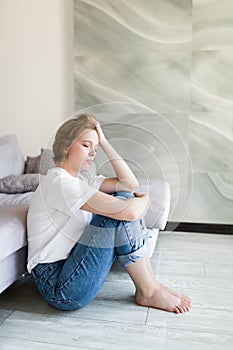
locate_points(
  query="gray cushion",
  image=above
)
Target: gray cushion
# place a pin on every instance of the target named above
(11, 157)
(20, 184)
(46, 161)
(41, 163)
(31, 164)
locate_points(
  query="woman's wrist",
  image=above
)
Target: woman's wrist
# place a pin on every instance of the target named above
(102, 138)
(103, 142)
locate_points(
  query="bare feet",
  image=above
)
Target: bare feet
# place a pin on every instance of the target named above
(181, 296)
(163, 299)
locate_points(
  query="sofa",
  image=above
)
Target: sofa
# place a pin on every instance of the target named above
(19, 178)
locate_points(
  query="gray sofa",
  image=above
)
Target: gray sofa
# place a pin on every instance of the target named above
(13, 244)
(14, 203)
(18, 181)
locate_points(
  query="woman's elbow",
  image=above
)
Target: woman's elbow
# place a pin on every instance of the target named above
(133, 186)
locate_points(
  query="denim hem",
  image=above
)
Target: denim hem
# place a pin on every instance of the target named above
(128, 259)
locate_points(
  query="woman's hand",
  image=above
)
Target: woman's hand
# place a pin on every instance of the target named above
(143, 196)
(125, 179)
(145, 202)
(139, 194)
(102, 138)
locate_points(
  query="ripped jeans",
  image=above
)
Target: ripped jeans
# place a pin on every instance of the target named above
(72, 283)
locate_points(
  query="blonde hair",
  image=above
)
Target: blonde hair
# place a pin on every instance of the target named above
(68, 132)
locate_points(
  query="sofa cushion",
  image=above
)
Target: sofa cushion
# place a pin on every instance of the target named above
(15, 199)
(11, 157)
(12, 229)
(20, 184)
(46, 161)
(41, 163)
(31, 164)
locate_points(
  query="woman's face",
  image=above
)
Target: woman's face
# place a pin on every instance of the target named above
(82, 153)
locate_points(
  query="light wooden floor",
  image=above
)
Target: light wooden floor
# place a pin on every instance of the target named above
(199, 265)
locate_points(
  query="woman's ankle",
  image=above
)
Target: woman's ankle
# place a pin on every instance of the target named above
(146, 291)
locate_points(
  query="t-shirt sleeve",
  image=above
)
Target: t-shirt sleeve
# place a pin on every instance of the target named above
(68, 195)
(94, 181)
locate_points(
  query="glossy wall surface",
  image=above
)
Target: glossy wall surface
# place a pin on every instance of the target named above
(158, 74)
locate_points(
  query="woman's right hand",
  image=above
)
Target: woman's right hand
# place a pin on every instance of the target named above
(145, 202)
(99, 130)
(139, 194)
(146, 199)
(102, 138)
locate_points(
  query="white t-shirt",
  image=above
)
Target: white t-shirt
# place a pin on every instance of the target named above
(55, 221)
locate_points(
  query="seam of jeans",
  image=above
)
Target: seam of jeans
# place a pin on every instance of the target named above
(127, 233)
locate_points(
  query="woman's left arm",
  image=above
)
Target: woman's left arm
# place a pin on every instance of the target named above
(125, 179)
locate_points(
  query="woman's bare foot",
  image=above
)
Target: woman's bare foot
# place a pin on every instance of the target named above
(181, 296)
(161, 298)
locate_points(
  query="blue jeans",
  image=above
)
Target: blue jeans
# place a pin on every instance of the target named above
(72, 283)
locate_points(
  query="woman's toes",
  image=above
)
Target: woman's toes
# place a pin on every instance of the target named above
(186, 308)
(176, 310)
(186, 301)
(183, 308)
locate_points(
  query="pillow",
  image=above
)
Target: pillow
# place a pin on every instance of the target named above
(41, 163)
(31, 163)
(19, 184)
(11, 157)
(46, 161)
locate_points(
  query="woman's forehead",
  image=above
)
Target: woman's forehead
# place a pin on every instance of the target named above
(90, 135)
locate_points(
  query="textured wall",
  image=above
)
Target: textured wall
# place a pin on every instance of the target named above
(158, 74)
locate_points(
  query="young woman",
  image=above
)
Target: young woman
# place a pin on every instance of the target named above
(78, 224)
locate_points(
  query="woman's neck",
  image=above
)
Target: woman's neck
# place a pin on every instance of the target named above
(70, 170)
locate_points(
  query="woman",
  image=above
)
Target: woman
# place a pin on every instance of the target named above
(78, 224)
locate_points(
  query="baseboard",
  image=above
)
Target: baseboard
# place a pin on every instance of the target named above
(223, 229)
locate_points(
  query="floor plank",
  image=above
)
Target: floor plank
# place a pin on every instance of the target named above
(24, 344)
(101, 335)
(4, 314)
(202, 320)
(219, 270)
(207, 283)
(207, 255)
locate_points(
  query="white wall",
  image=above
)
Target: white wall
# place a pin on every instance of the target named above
(36, 69)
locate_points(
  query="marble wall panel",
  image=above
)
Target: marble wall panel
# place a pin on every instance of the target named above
(170, 99)
(212, 200)
(146, 138)
(212, 24)
(211, 148)
(159, 80)
(131, 25)
(211, 130)
(148, 141)
(212, 77)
